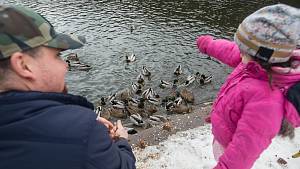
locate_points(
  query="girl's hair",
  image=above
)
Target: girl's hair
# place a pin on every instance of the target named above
(286, 129)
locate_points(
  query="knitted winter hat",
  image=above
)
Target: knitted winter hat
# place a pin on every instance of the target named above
(270, 34)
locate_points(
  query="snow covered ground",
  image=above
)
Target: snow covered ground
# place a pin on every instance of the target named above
(192, 150)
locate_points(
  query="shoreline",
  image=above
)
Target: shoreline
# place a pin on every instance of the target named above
(178, 122)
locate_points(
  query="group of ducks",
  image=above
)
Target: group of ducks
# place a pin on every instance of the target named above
(142, 105)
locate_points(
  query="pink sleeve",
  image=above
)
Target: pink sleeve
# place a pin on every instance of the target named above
(259, 123)
(221, 49)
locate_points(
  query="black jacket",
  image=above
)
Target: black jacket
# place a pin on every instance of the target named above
(56, 131)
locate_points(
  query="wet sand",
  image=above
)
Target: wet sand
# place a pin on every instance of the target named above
(180, 122)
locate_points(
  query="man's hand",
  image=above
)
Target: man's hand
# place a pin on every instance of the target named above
(121, 131)
(112, 129)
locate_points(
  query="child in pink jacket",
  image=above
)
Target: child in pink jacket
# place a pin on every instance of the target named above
(251, 106)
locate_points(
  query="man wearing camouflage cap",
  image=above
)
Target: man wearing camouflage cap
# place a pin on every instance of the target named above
(41, 126)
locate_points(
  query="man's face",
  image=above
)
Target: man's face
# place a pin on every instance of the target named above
(50, 70)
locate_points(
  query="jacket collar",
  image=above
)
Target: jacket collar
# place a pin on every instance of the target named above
(22, 96)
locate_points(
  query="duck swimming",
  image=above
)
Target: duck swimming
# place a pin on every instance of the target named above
(141, 79)
(130, 58)
(189, 80)
(78, 66)
(178, 70)
(165, 84)
(205, 80)
(145, 71)
(72, 57)
(136, 88)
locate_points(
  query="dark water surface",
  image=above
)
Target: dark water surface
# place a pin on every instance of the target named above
(164, 36)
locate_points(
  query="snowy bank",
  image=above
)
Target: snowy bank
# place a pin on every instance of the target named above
(192, 149)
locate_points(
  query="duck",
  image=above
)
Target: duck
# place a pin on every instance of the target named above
(136, 88)
(137, 120)
(150, 109)
(118, 104)
(165, 84)
(133, 109)
(178, 70)
(296, 155)
(178, 101)
(205, 79)
(153, 101)
(157, 119)
(187, 95)
(111, 97)
(100, 112)
(124, 95)
(145, 71)
(102, 101)
(117, 113)
(169, 105)
(181, 109)
(130, 58)
(72, 57)
(78, 66)
(140, 79)
(189, 80)
(147, 93)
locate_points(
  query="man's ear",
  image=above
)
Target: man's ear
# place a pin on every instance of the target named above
(22, 65)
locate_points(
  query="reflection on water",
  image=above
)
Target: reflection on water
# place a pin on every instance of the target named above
(161, 33)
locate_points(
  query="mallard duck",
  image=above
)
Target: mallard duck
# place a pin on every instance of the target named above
(181, 109)
(98, 111)
(124, 95)
(296, 155)
(137, 120)
(165, 84)
(133, 102)
(140, 79)
(157, 119)
(189, 80)
(130, 58)
(145, 71)
(136, 110)
(102, 101)
(169, 105)
(178, 101)
(136, 88)
(102, 113)
(118, 113)
(78, 66)
(111, 98)
(147, 93)
(118, 104)
(187, 95)
(72, 57)
(205, 79)
(150, 109)
(178, 70)
(153, 100)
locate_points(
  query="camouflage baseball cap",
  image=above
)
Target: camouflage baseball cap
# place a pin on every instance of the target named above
(22, 29)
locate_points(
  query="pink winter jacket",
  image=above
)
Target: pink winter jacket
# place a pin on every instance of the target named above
(247, 113)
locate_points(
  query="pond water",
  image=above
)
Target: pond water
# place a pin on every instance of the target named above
(163, 37)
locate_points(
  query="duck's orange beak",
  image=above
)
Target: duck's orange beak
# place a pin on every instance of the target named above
(296, 155)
